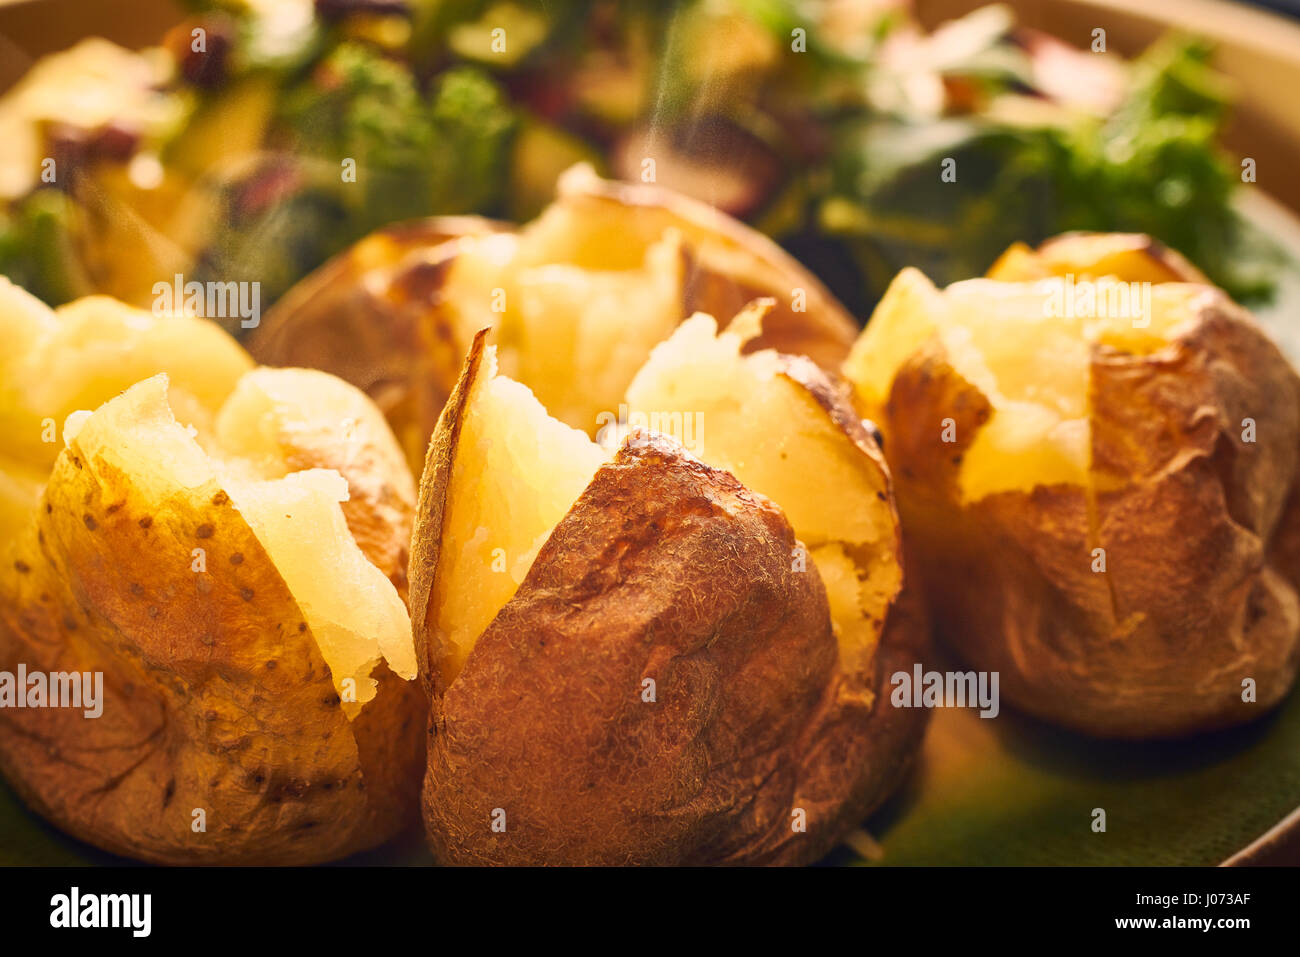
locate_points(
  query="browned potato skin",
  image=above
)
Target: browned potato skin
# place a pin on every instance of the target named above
(196, 713)
(670, 569)
(370, 317)
(1187, 515)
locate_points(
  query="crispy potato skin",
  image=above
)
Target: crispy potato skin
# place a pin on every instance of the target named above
(1191, 602)
(664, 568)
(426, 538)
(216, 696)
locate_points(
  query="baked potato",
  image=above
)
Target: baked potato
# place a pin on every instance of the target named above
(576, 299)
(670, 648)
(224, 547)
(1096, 469)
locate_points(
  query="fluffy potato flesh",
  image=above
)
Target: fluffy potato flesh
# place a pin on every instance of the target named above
(77, 357)
(597, 224)
(771, 421)
(233, 564)
(573, 332)
(516, 473)
(1021, 345)
(1098, 498)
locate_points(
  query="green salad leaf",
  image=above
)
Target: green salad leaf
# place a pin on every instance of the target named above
(1152, 166)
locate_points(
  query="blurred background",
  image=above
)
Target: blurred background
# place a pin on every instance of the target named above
(223, 163)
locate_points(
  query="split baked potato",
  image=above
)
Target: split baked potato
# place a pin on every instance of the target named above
(1096, 456)
(226, 546)
(670, 648)
(576, 299)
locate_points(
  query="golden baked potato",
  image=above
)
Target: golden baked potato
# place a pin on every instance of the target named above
(1094, 469)
(226, 546)
(673, 648)
(576, 299)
